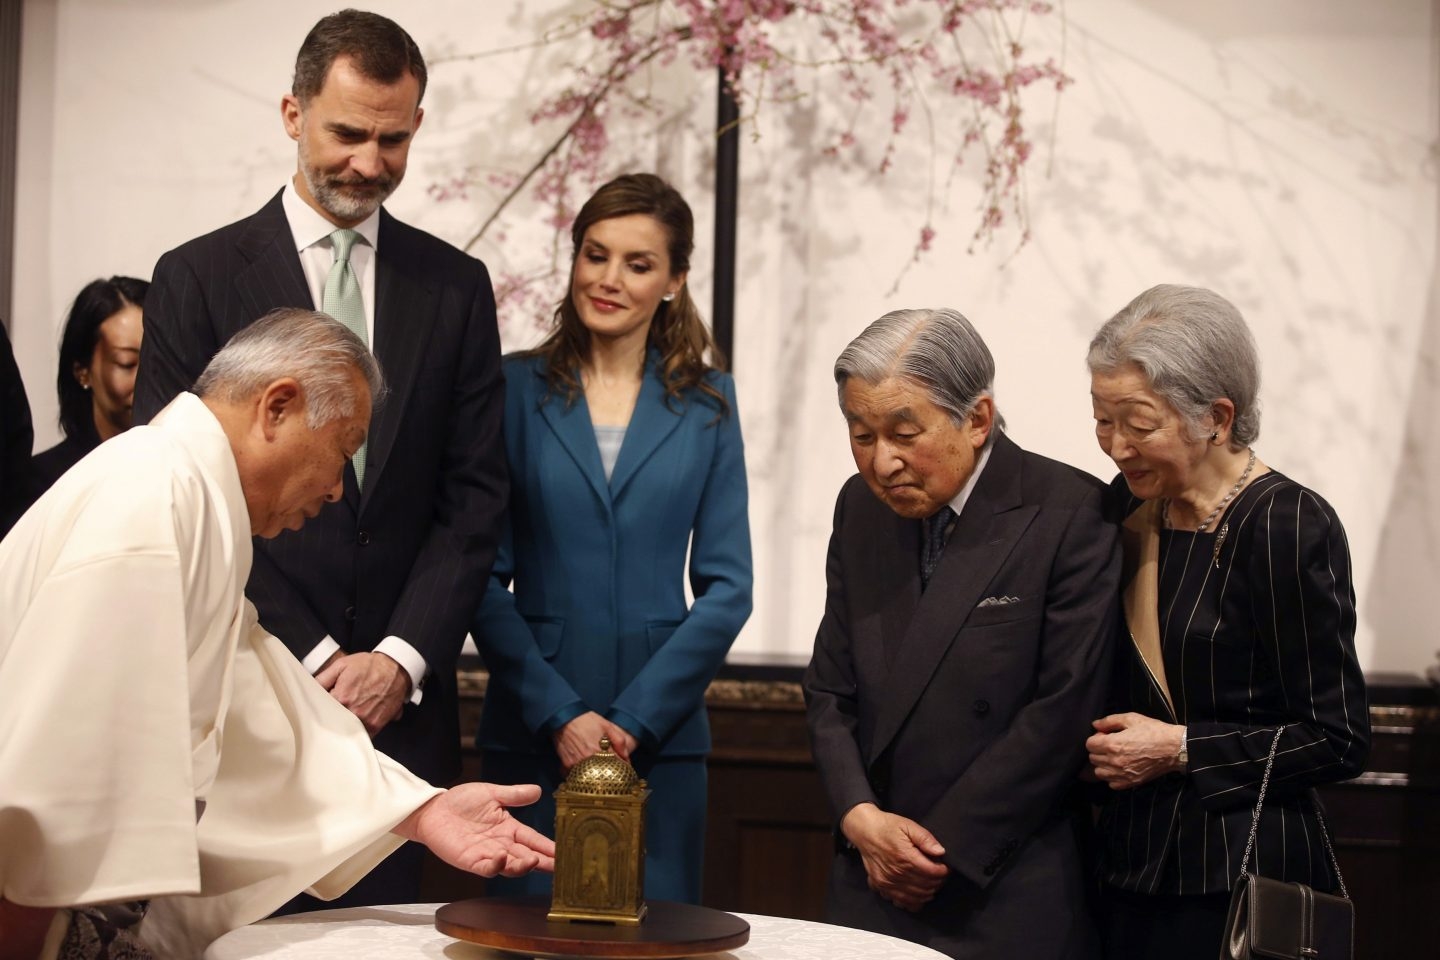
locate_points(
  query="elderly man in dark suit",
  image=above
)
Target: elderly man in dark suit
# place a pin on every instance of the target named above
(972, 592)
(373, 596)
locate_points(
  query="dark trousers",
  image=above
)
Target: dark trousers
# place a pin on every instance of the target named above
(1141, 926)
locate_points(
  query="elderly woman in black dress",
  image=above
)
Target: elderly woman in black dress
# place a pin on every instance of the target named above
(1253, 629)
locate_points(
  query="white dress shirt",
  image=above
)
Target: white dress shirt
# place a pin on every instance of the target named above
(958, 503)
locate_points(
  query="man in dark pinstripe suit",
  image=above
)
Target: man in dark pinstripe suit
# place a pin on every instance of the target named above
(374, 595)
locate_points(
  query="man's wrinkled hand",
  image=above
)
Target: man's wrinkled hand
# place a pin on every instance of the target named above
(468, 827)
(1129, 749)
(580, 738)
(370, 685)
(902, 858)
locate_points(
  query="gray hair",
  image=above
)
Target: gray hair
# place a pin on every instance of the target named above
(319, 352)
(936, 349)
(1194, 348)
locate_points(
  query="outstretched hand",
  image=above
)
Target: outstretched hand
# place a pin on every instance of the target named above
(468, 827)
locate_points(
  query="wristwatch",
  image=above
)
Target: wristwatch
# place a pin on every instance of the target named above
(1184, 755)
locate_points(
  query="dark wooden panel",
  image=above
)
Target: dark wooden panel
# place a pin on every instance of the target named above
(1387, 831)
(768, 842)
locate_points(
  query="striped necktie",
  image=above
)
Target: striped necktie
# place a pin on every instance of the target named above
(343, 302)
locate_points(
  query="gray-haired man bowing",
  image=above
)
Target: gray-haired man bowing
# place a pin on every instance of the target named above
(156, 744)
(972, 592)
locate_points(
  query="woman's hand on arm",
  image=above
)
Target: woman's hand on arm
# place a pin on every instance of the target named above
(1128, 749)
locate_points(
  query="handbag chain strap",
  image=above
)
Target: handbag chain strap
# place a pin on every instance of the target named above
(1255, 820)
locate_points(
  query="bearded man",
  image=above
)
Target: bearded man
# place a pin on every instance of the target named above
(375, 595)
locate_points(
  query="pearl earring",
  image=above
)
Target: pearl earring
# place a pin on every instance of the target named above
(668, 297)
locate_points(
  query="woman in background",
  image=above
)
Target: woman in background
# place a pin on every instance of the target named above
(99, 356)
(624, 449)
(1254, 628)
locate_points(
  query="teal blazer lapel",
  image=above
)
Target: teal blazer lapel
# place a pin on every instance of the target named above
(992, 524)
(572, 426)
(651, 423)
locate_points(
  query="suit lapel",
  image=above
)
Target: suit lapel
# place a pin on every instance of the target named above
(993, 522)
(572, 427)
(879, 637)
(273, 276)
(652, 421)
(405, 312)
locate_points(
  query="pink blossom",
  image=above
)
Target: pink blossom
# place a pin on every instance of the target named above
(964, 49)
(605, 28)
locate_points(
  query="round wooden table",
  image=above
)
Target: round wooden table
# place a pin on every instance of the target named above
(408, 930)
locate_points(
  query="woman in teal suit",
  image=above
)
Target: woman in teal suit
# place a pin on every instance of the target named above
(624, 448)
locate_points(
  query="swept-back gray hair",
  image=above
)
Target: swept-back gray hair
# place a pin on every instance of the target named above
(1194, 348)
(307, 345)
(936, 349)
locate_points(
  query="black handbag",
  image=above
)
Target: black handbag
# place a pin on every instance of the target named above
(1273, 919)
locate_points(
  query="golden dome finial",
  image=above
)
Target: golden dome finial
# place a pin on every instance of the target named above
(603, 773)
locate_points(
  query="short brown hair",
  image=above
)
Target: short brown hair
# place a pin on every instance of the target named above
(380, 48)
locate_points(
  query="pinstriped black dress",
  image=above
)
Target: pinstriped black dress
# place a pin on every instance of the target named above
(1257, 623)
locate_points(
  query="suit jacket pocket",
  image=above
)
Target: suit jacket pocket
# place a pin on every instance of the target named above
(547, 632)
(994, 613)
(658, 631)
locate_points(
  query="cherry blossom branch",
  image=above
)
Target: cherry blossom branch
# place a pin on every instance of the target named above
(969, 52)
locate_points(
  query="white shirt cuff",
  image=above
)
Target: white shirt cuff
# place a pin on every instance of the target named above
(410, 661)
(316, 658)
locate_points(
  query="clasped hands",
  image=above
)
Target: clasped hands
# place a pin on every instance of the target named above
(370, 685)
(580, 738)
(1129, 749)
(902, 858)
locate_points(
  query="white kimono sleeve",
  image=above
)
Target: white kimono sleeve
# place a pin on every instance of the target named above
(301, 801)
(96, 794)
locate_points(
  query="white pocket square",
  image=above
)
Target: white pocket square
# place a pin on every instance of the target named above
(997, 602)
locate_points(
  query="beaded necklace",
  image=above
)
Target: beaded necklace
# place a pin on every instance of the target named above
(1224, 501)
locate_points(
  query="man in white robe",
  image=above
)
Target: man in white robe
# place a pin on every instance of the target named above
(137, 690)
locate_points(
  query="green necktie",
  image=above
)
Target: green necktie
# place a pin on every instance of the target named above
(343, 302)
